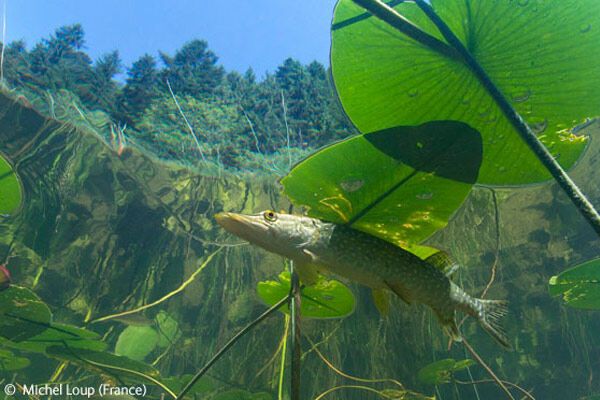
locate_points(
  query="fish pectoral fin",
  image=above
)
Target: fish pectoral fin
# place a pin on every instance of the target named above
(381, 298)
(308, 273)
(400, 292)
(311, 256)
(442, 261)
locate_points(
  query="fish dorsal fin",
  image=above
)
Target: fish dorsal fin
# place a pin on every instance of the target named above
(442, 261)
(381, 298)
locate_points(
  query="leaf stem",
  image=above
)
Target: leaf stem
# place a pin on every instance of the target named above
(579, 199)
(459, 51)
(394, 19)
(230, 343)
(295, 303)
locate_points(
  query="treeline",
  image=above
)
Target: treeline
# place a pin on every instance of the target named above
(238, 120)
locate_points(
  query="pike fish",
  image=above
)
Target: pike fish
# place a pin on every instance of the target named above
(317, 246)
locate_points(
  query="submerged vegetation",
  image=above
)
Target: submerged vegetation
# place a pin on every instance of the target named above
(119, 273)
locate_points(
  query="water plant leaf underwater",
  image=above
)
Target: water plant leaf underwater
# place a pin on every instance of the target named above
(325, 299)
(400, 184)
(22, 314)
(385, 79)
(441, 371)
(136, 342)
(579, 286)
(10, 362)
(10, 188)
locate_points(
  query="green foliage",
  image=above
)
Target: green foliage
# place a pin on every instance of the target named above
(167, 328)
(22, 314)
(400, 184)
(385, 79)
(324, 299)
(60, 334)
(579, 286)
(441, 371)
(10, 362)
(136, 342)
(10, 188)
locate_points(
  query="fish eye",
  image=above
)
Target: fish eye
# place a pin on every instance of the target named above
(270, 216)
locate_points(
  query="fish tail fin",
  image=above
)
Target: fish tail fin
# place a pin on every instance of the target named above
(490, 315)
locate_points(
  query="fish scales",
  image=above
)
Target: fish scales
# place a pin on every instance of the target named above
(367, 260)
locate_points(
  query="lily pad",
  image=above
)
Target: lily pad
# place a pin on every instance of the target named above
(400, 184)
(544, 68)
(10, 188)
(61, 335)
(10, 362)
(104, 362)
(136, 342)
(22, 314)
(324, 299)
(168, 329)
(579, 286)
(441, 371)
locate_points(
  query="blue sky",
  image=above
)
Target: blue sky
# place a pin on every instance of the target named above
(243, 33)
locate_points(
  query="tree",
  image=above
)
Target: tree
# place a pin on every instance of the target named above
(140, 88)
(193, 70)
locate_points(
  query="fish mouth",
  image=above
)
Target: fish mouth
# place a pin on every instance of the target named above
(244, 226)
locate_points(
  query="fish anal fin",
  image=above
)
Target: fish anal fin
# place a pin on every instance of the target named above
(381, 298)
(307, 272)
(442, 261)
(400, 292)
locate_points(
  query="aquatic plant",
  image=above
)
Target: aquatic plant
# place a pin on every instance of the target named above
(10, 189)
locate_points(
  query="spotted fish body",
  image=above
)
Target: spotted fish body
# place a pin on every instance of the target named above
(367, 260)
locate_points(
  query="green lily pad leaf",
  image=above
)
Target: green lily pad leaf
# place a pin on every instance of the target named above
(104, 362)
(441, 371)
(22, 314)
(239, 394)
(579, 286)
(136, 342)
(397, 394)
(544, 68)
(61, 335)
(10, 362)
(168, 329)
(324, 299)
(400, 184)
(10, 188)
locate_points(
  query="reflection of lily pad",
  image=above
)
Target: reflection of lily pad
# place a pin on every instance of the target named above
(325, 299)
(579, 286)
(400, 184)
(441, 371)
(22, 314)
(10, 188)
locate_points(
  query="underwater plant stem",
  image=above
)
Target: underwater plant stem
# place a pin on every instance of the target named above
(165, 297)
(579, 199)
(519, 388)
(286, 331)
(230, 343)
(295, 304)
(393, 18)
(487, 368)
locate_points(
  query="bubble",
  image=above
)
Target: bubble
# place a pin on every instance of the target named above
(585, 28)
(538, 126)
(523, 3)
(521, 95)
(425, 196)
(353, 185)
(413, 92)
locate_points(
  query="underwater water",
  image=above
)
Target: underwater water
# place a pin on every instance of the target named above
(117, 274)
